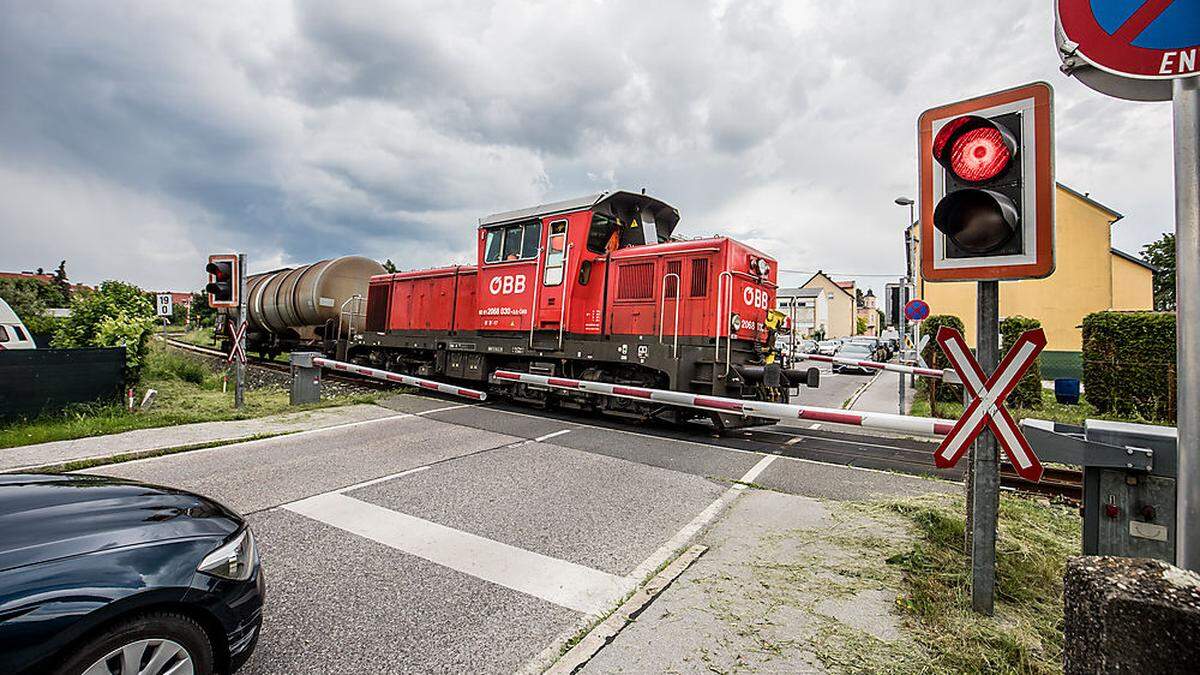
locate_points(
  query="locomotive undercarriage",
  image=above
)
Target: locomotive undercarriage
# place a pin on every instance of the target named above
(636, 360)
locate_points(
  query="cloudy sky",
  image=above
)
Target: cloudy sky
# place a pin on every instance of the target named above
(135, 138)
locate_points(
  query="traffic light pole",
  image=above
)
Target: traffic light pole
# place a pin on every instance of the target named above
(985, 469)
(1186, 102)
(239, 391)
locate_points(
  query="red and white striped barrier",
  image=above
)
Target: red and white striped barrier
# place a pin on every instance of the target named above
(402, 379)
(945, 375)
(779, 411)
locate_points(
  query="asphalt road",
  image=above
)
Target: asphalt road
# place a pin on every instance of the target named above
(464, 538)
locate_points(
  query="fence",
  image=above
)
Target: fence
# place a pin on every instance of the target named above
(35, 381)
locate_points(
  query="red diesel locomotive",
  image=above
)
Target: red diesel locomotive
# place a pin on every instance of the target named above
(590, 288)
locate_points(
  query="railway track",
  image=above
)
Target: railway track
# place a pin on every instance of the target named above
(903, 455)
(267, 364)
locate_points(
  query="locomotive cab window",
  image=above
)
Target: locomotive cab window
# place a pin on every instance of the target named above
(603, 227)
(556, 253)
(512, 242)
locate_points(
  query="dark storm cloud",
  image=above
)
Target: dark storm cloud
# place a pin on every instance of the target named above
(300, 130)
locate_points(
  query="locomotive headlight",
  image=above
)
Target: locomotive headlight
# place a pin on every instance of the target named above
(735, 322)
(763, 266)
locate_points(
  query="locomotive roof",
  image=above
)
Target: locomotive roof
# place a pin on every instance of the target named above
(666, 217)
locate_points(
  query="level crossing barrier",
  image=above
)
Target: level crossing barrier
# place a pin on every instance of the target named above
(737, 406)
(306, 378)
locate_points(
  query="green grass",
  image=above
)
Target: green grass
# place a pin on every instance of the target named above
(1051, 410)
(1025, 635)
(189, 390)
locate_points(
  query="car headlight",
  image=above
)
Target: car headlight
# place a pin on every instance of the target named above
(235, 559)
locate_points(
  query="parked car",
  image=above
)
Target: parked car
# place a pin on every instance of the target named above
(857, 351)
(828, 347)
(879, 351)
(807, 346)
(13, 333)
(98, 574)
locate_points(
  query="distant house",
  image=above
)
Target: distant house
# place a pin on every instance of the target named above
(840, 301)
(807, 308)
(869, 313)
(43, 278)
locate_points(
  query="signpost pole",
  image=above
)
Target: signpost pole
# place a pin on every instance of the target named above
(985, 474)
(1186, 102)
(903, 334)
(239, 391)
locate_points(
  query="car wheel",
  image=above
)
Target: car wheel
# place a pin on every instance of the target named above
(160, 643)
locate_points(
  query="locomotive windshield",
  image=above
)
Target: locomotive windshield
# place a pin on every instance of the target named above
(512, 242)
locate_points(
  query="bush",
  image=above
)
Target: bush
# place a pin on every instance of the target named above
(1028, 393)
(935, 390)
(116, 315)
(1129, 364)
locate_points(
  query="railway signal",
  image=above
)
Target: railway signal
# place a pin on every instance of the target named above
(987, 213)
(223, 275)
(987, 187)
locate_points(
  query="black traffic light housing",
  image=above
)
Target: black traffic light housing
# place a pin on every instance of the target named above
(223, 280)
(980, 213)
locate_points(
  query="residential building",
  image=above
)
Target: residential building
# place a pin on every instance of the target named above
(842, 310)
(807, 308)
(1089, 276)
(869, 312)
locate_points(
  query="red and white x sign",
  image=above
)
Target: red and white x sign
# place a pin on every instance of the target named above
(987, 401)
(237, 351)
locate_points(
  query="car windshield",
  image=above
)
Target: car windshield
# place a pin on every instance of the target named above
(854, 349)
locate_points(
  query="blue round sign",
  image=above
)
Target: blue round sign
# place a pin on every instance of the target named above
(916, 310)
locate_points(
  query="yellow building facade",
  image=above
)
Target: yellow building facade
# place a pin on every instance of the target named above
(1089, 276)
(842, 307)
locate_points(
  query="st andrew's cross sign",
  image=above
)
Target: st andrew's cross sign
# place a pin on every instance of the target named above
(987, 401)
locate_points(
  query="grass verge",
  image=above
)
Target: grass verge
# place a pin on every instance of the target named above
(1051, 410)
(189, 390)
(1025, 635)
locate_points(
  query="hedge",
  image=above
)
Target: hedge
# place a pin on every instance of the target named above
(1129, 364)
(1028, 393)
(951, 393)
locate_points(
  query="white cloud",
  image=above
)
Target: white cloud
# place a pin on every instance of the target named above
(303, 130)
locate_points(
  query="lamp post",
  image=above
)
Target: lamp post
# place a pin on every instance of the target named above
(908, 275)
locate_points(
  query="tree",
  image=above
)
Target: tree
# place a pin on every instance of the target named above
(860, 325)
(389, 266)
(858, 298)
(1161, 254)
(116, 315)
(202, 315)
(62, 283)
(29, 298)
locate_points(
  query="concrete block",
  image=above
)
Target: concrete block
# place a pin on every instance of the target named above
(1130, 615)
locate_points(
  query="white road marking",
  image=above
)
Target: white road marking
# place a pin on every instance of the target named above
(814, 426)
(563, 583)
(286, 435)
(548, 436)
(793, 441)
(757, 469)
(381, 479)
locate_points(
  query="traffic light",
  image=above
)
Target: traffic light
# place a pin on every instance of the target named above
(223, 277)
(987, 187)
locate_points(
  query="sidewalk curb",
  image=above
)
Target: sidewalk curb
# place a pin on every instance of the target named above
(607, 630)
(859, 392)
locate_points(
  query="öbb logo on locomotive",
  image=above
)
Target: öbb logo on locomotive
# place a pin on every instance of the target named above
(556, 290)
(507, 284)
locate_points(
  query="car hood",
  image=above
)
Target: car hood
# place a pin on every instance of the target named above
(49, 516)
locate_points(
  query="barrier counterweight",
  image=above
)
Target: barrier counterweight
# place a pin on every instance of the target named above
(751, 408)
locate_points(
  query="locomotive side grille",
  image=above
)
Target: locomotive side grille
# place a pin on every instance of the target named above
(377, 297)
(673, 267)
(635, 281)
(699, 278)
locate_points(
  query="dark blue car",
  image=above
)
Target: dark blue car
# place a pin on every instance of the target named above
(106, 576)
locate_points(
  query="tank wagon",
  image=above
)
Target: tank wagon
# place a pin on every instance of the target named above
(306, 307)
(594, 288)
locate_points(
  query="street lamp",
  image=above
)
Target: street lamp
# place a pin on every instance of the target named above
(908, 269)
